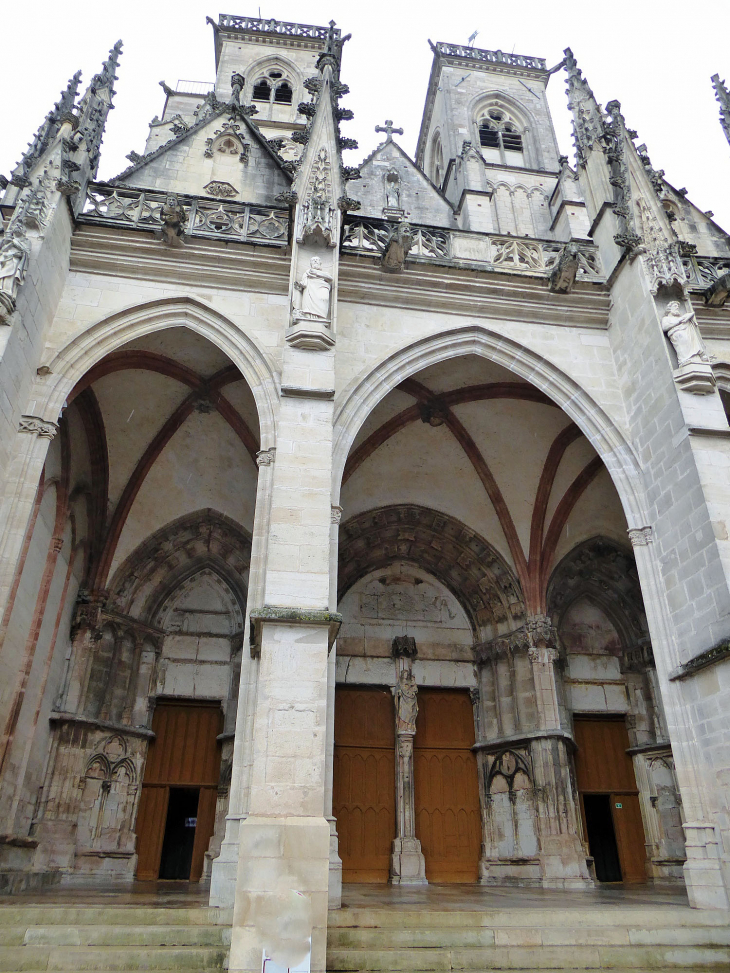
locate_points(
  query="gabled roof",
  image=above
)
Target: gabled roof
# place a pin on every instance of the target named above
(379, 148)
(219, 109)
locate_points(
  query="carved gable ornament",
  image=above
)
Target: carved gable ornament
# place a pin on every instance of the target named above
(317, 221)
(221, 190)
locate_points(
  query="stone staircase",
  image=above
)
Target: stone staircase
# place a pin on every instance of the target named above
(623, 937)
(113, 937)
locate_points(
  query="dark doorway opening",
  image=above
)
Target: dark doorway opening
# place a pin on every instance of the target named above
(177, 845)
(602, 837)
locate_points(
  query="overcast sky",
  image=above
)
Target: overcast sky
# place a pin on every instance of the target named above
(655, 56)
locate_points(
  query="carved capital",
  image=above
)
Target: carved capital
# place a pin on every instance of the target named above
(640, 536)
(335, 513)
(38, 427)
(265, 457)
(405, 745)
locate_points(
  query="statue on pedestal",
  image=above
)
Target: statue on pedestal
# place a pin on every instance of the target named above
(684, 333)
(406, 702)
(315, 286)
(14, 255)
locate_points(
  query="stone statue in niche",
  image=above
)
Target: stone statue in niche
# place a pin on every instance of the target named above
(314, 287)
(684, 333)
(392, 190)
(14, 254)
(406, 702)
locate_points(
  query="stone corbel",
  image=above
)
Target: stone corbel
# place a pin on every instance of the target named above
(291, 616)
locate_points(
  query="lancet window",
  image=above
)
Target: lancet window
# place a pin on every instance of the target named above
(437, 161)
(500, 138)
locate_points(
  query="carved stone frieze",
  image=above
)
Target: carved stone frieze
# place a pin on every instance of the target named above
(221, 190)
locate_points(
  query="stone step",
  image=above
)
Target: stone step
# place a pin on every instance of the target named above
(30, 959)
(58, 935)
(528, 958)
(112, 914)
(638, 917)
(454, 936)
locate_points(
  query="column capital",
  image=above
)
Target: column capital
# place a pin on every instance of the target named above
(640, 536)
(265, 457)
(43, 428)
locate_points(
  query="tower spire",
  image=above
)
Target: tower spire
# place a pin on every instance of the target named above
(61, 112)
(588, 118)
(722, 93)
(96, 104)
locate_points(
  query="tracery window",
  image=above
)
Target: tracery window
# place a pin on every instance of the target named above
(273, 86)
(500, 138)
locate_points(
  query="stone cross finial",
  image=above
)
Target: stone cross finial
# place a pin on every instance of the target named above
(388, 127)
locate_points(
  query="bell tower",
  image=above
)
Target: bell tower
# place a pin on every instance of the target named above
(486, 124)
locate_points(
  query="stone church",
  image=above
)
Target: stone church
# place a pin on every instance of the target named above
(361, 525)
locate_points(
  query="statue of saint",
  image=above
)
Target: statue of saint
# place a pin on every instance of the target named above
(14, 254)
(392, 191)
(406, 702)
(237, 83)
(315, 287)
(684, 333)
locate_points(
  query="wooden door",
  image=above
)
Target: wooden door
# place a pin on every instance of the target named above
(363, 797)
(448, 820)
(184, 752)
(603, 766)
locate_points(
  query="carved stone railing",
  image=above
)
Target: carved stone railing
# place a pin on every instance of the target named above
(204, 217)
(231, 22)
(371, 237)
(493, 253)
(492, 57)
(702, 272)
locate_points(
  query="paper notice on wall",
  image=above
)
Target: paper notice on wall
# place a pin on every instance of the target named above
(269, 966)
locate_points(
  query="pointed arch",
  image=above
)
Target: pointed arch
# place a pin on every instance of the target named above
(84, 350)
(518, 113)
(355, 403)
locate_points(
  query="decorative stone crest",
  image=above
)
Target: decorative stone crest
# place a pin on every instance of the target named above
(221, 190)
(317, 220)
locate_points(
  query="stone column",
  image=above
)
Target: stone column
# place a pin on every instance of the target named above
(703, 870)
(21, 483)
(335, 869)
(408, 866)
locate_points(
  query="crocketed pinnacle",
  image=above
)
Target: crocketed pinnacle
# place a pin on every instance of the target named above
(588, 120)
(722, 93)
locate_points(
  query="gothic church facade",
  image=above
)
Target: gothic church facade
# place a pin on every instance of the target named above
(361, 524)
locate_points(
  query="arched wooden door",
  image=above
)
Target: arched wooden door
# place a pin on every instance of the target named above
(363, 797)
(448, 819)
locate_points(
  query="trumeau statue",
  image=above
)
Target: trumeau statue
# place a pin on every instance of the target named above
(684, 333)
(406, 702)
(14, 254)
(315, 287)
